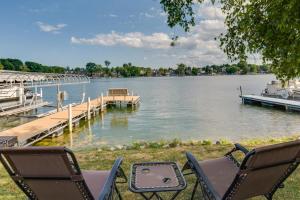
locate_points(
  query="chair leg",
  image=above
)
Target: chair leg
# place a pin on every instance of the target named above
(269, 197)
(194, 189)
(118, 193)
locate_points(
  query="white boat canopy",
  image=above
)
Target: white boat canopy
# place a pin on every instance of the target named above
(35, 79)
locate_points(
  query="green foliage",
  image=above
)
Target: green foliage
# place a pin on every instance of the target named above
(270, 28)
(1, 66)
(34, 67)
(155, 145)
(91, 68)
(107, 63)
(232, 69)
(130, 70)
(206, 142)
(195, 71)
(181, 68)
(175, 143)
(224, 142)
(28, 66)
(7, 64)
(244, 68)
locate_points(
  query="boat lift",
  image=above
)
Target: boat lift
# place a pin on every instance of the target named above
(13, 99)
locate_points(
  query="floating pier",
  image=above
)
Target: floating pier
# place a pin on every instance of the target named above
(54, 124)
(285, 104)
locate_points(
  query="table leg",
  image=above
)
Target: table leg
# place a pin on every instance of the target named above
(155, 194)
(175, 195)
(148, 198)
(145, 197)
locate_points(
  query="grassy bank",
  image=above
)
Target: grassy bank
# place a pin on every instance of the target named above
(174, 151)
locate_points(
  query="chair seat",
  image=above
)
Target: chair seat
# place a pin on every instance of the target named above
(220, 173)
(95, 180)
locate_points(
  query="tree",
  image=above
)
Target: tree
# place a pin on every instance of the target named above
(253, 68)
(77, 70)
(148, 71)
(232, 69)
(107, 63)
(91, 68)
(195, 71)
(162, 71)
(34, 67)
(17, 64)
(6, 64)
(1, 66)
(270, 28)
(181, 69)
(243, 66)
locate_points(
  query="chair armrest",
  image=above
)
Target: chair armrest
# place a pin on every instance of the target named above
(115, 172)
(238, 147)
(241, 148)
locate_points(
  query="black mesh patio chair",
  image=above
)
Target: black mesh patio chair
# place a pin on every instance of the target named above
(262, 171)
(48, 173)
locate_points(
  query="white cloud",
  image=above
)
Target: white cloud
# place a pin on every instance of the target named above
(198, 47)
(50, 28)
(133, 39)
(209, 11)
(113, 15)
(153, 13)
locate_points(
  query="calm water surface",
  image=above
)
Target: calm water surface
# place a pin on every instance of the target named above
(187, 108)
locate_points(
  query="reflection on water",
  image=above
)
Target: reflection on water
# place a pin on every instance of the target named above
(85, 135)
(175, 107)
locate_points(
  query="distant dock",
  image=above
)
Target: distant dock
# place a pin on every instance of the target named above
(288, 105)
(54, 124)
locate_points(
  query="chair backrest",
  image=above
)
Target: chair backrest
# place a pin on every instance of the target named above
(45, 172)
(118, 92)
(264, 169)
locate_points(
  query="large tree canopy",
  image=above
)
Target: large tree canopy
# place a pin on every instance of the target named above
(268, 27)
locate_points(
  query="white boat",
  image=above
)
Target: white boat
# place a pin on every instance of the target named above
(290, 90)
(15, 96)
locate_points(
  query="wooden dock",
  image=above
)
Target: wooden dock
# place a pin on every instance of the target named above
(54, 124)
(285, 104)
(22, 109)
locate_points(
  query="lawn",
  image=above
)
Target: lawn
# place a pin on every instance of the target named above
(103, 159)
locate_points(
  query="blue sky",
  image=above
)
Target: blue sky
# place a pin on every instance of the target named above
(74, 32)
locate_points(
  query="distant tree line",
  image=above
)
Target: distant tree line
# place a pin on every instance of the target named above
(129, 70)
(28, 66)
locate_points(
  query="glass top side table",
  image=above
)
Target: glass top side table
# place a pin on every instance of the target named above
(156, 177)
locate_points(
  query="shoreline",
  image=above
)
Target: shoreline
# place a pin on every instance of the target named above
(168, 144)
(204, 75)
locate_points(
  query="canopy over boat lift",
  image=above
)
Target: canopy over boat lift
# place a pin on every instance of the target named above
(13, 86)
(35, 79)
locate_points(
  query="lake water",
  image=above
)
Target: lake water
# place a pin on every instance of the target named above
(187, 108)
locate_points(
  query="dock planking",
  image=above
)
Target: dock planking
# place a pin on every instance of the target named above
(53, 124)
(272, 102)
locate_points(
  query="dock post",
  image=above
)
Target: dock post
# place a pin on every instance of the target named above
(102, 106)
(70, 117)
(287, 108)
(41, 92)
(89, 108)
(57, 98)
(241, 91)
(132, 103)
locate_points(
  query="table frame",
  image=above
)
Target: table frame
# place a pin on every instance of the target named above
(154, 192)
